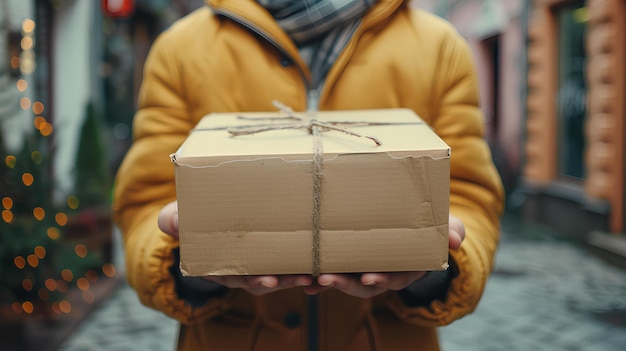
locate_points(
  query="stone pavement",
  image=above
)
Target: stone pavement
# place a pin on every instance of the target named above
(546, 293)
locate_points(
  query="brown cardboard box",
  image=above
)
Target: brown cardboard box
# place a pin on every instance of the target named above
(246, 202)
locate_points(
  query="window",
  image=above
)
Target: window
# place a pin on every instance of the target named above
(571, 98)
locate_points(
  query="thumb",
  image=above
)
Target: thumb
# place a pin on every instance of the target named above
(168, 219)
(456, 232)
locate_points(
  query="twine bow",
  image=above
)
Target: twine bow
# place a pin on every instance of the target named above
(309, 123)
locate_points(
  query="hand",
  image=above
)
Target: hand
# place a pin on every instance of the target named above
(368, 285)
(364, 285)
(256, 285)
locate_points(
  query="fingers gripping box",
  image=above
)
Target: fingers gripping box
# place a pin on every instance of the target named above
(290, 193)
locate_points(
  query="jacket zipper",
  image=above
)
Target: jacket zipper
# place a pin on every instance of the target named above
(312, 108)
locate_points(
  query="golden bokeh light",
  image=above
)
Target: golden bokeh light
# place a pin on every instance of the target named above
(72, 202)
(51, 284)
(67, 275)
(46, 130)
(27, 43)
(53, 233)
(7, 216)
(7, 202)
(39, 122)
(82, 284)
(27, 62)
(28, 307)
(25, 103)
(40, 252)
(19, 262)
(80, 250)
(21, 85)
(61, 219)
(38, 108)
(32, 260)
(10, 161)
(28, 26)
(65, 306)
(28, 179)
(109, 270)
(39, 213)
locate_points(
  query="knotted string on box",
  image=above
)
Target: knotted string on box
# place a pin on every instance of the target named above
(315, 127)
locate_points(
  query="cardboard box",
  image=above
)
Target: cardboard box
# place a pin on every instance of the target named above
(246, 202)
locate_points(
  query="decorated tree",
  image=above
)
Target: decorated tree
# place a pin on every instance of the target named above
(40, 264)
(47, 258)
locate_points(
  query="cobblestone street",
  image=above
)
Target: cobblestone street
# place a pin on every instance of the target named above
(546, 293)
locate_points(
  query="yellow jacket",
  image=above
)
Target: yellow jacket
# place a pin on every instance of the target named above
(232, 56)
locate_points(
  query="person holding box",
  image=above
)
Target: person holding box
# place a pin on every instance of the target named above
(240, 56)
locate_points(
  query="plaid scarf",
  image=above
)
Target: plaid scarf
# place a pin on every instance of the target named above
(320, 28)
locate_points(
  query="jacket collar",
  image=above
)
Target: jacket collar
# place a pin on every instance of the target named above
(253, 16)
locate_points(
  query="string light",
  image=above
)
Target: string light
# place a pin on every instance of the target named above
(108, 270)
(39, 213)
(7, 202)
(7, 216)
(28, 26)
(80, 250)
(27, 56)
(61, 219)
(19, 262)
(10, 161)
(25, 103)
(38, 108)
(65, 306)
(28, 307)
(28, 179)
(26, 63)
(67, 275)
(82, 284)
(40, 252)
(32, 260)
(46, 130)
(51, 284)
(53, 233)
(21, 85)
(39, 122)
(27, 43)
(72, 202)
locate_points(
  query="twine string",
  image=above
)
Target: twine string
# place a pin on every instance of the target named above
(314, 127)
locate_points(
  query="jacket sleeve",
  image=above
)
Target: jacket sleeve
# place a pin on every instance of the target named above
(476, 194)
(145, 183)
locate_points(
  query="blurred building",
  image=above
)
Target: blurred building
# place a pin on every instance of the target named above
(553, 77)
